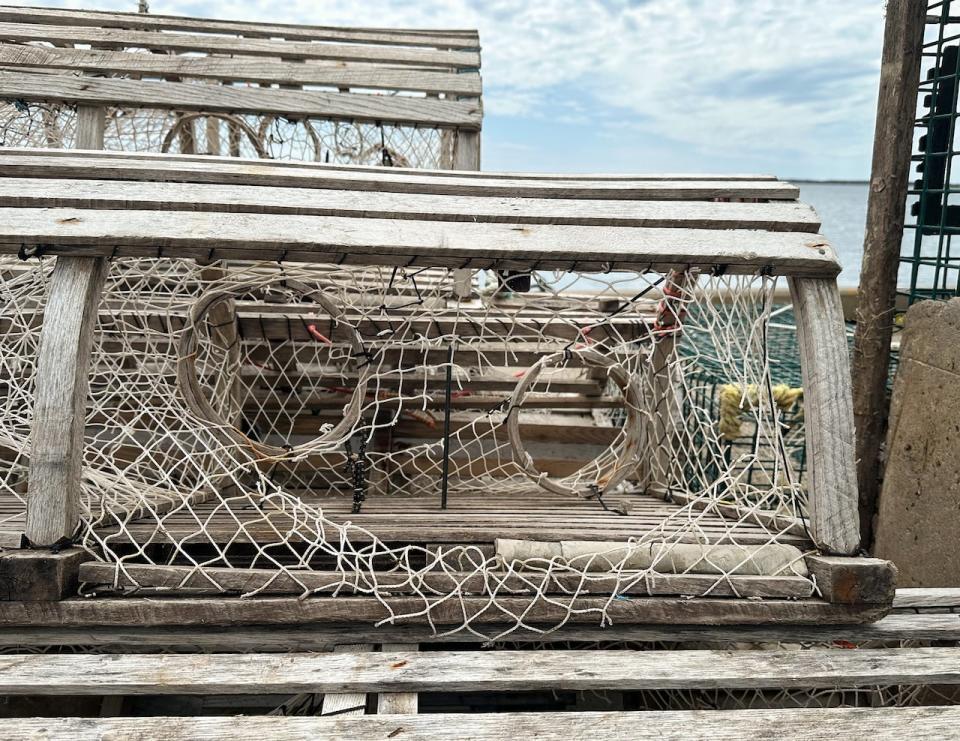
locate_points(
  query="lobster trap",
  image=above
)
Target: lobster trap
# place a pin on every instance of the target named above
(473, 412)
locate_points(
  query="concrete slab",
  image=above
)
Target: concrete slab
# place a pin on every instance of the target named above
(918, 521)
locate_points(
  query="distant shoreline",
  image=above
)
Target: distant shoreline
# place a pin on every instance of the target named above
(801, 181)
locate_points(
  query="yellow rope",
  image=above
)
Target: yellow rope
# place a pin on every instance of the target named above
(735, 399)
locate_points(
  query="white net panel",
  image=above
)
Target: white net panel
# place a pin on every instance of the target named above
(291, 420)
(263, 136)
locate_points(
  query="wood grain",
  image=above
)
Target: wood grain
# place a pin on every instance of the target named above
(828, 409)
(212, 580)
(224, 99)
(264, 71)
(447, 39)
(116, 194)
(352, 670)
(398, 703)
(918, 598)
(62, 164)
(881, 724)
(111, 38)
(343, 240)
(892, 145)
(291, 611)
(193, 638)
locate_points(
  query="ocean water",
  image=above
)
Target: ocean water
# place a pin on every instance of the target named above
(842, 209)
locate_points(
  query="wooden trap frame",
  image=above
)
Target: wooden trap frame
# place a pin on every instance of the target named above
(231, 288)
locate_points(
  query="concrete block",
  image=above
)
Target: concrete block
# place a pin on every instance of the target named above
(918, 520)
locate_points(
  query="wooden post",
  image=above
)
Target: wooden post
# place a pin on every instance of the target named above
(828, 411)
(62, 380)
(466, 156)
(893, 140)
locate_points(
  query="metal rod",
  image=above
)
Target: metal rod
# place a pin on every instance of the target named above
(446, 425)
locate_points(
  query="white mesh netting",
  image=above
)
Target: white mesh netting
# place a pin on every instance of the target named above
(263, 136)
(291, 420)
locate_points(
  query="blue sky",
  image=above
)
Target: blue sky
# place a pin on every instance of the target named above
(787, 88)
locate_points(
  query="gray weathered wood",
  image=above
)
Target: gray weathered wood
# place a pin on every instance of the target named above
(446, 39)
(195, 169)
(39, 575)
(116, 194)
(893, 141)
(880, 724)
(61, 382)
(292, 611)
(109, 38)
(396, 703)
(342, 240)
(352, 670)
(269, 581)
(828, 412)
(841, 579)
(188, 639)
(224, 99)
(343, 703)
(263, 71)
(917, 598)
(776, 189)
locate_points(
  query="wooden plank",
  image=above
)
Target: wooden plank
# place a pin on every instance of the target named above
(732, 180)
(291, 611)
(224, 99)
(828, 410)
(40, 575)
(881, 724)
(876, 297)
(61, 384)
(115, 194)
(923, 598)
(271, 581)
(352, 670)
(447, 39)
(342, 703)
(398, 703)
(853, 580)
(109, 38)
(87, 232)
(892, 629)
(263, 71)
(61, 164)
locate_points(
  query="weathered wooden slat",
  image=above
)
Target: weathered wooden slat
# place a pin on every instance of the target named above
(828, 409)
(63, 164)
(62, 381)
(343, 703)
(732, 180)
(882, 724)
(110, 38)
(398, 703)
(930, 597)
(342, 240)
(114, 194)
(185, 535)
(353, 671)
(292, 611)
(264, 71)
(185, 638)
(269, 581)
(225, 99)
(445, 39)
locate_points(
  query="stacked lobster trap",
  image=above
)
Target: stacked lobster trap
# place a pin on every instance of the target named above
(480, 402)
